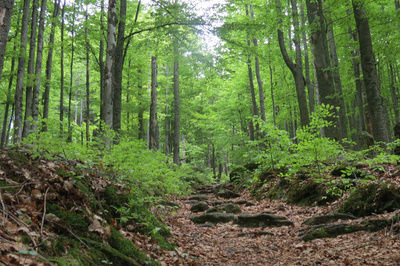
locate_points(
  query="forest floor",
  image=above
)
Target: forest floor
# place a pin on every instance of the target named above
(230, 244)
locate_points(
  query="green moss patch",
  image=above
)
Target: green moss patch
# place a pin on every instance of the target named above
(308, 193)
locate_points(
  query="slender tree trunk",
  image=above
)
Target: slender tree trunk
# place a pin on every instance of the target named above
(9, 125)
(393, 91)
(338, 83)
(213, 161)
(9, 102)
(101, 64)
(49, 66)
(108, 83)
(118, 68)
(310, 87)
(271, 72)
(167, 116)
(6, 9)
(71, 80)
(258, 74)
(141, 134)
(87, 81)
(62, 74)
(38, 68)
(319, 45)
(177, 111)
(31, 71)
(153, 129)
(19, 93)
(375, 104)
(295, 68)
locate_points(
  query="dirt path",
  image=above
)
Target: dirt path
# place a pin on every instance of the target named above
(229, 244)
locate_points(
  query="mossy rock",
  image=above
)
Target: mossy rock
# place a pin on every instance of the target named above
(199, 207)
(279, 190)
(220, 202)
(76, 221)
(308, 193)
(227, 208)
(228, 194)
(213, 218)
(169, 204)
(329, 218)
(261, 220)
(372, 198)
(114, 199)
(199, 197)
(330, 231)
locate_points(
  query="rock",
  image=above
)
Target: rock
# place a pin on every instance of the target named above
(329, 231)
(308, 193)
(329, 218)
(199, 197)
(261, 220)
(227, 194)
(199, 207)
(244, 202)
(205, 189)
(372, 198)
(255, 234)
(227, 208)
(220, 202)
(213, 218)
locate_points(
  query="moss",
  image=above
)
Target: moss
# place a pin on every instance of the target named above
(162, 242)
(329, 218)
(25, 239)
(126, 247)
(5, 186)
(77, 222)
(279, 191)
(19, 158)
(308, 193)
(331, 231)
(372, 198)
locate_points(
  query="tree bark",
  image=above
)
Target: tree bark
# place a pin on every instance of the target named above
(108, 84)
(320, 51)
(141, 133)
(71, 81)
(9, 102)
(374, 100)
(38, 68)
(177, 112)
(31, 71)
(338, 83)
(6, 9)
(118, 68)
(310, 87)
(62, 73)
(153, 123)
(49, 66)
(258, 74)
(167, 117)
(393, 92)
(87, 81)
(101, 64)
(295, 68)
(19, 93)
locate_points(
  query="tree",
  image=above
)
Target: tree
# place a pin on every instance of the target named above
(6, 9)
(153, 123)
(374, 100)
(177, 109)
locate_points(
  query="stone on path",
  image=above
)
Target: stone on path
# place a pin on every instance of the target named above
(213, 218)
(199, 197)
(261, 220)
(227, 208)
(329, 218)
(199, 206)
(228, 194)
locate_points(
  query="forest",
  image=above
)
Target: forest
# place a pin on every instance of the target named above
(199, 132)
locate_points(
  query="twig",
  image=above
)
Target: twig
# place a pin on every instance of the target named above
(44, 211)
(2, 204)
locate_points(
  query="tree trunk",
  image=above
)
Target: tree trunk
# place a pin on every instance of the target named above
(9, 102)
(375, 104)
(71, 81)
(118, 68)
(62, 74)
(271, 73)
(141, 134)
(393, 91)
(49, 66)
(101, 64)
(177, 112)
(258, 74)
(296, 69)
(319, 45)
(19, 93)
(310, 87)
(338, 83)
(38, 68)
(108, 84)
(153, 129)
(167, 117)
(31, 71)
(6, 9)
(87, 81)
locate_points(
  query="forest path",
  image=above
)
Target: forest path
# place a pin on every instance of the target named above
(230, 244)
